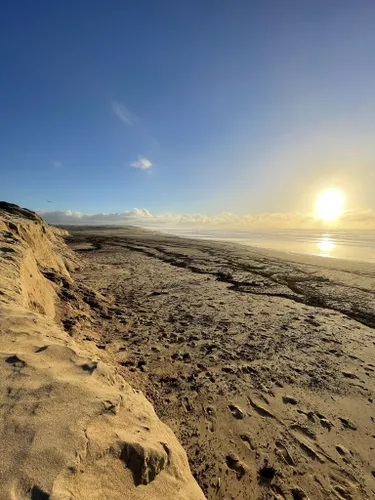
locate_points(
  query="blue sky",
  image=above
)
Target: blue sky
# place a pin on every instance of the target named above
(242, 107)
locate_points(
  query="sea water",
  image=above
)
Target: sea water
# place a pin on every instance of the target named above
(353, 245)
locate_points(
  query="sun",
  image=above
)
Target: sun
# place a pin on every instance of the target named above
(329, 204)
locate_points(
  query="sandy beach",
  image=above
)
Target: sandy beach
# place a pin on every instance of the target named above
(261, 363)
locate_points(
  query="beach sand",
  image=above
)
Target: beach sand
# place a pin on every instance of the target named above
(262, 363)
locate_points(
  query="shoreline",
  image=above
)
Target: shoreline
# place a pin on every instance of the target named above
(252, 244)
(283, 254)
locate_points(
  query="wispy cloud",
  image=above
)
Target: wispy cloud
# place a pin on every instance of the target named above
(123, 113)
(142, 163)
(56, 163)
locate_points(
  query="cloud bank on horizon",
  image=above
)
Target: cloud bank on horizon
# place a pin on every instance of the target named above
(353, 219)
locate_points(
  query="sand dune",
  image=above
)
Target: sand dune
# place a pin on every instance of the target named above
(71, 426)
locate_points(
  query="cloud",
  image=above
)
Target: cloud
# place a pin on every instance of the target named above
(142, 163)
(366, 217)
(123, 113)
(70, 217)
(56, 163)
(355, 219)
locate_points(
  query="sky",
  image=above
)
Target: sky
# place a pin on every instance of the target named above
(199, 110)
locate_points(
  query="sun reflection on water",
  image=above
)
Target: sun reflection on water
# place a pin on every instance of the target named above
(325, 245)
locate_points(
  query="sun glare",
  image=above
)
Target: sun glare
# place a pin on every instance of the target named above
(325, 245)
(329, 204)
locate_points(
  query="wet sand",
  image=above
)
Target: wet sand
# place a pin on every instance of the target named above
(263, 364)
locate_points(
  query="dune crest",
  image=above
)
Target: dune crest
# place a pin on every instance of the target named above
(71, 426)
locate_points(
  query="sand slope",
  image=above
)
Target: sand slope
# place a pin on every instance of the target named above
(71, 427)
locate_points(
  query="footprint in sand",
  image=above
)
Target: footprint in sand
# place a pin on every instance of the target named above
(304, 430)
(266, 475)
(229, 369)
(15, 361)
(248, 441)
(324, 422)
(299, 494)
(211, 426)
(263, 412)
(210, 410)
(289, 400)
(90, 367)
(283, 451)
(41, 349)
(342, 450)
(236, 412)
(309, 414)
(186, 358)
(38, 494)
(236, 465)
(348, 424)
(344, 484)
(310, 451)
(350, 375)
(307, 442)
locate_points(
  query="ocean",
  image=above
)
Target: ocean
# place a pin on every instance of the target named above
(352, 245)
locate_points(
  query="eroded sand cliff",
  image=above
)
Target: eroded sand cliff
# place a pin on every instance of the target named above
(71, 427)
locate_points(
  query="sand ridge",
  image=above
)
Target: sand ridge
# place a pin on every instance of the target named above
(71, 427)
